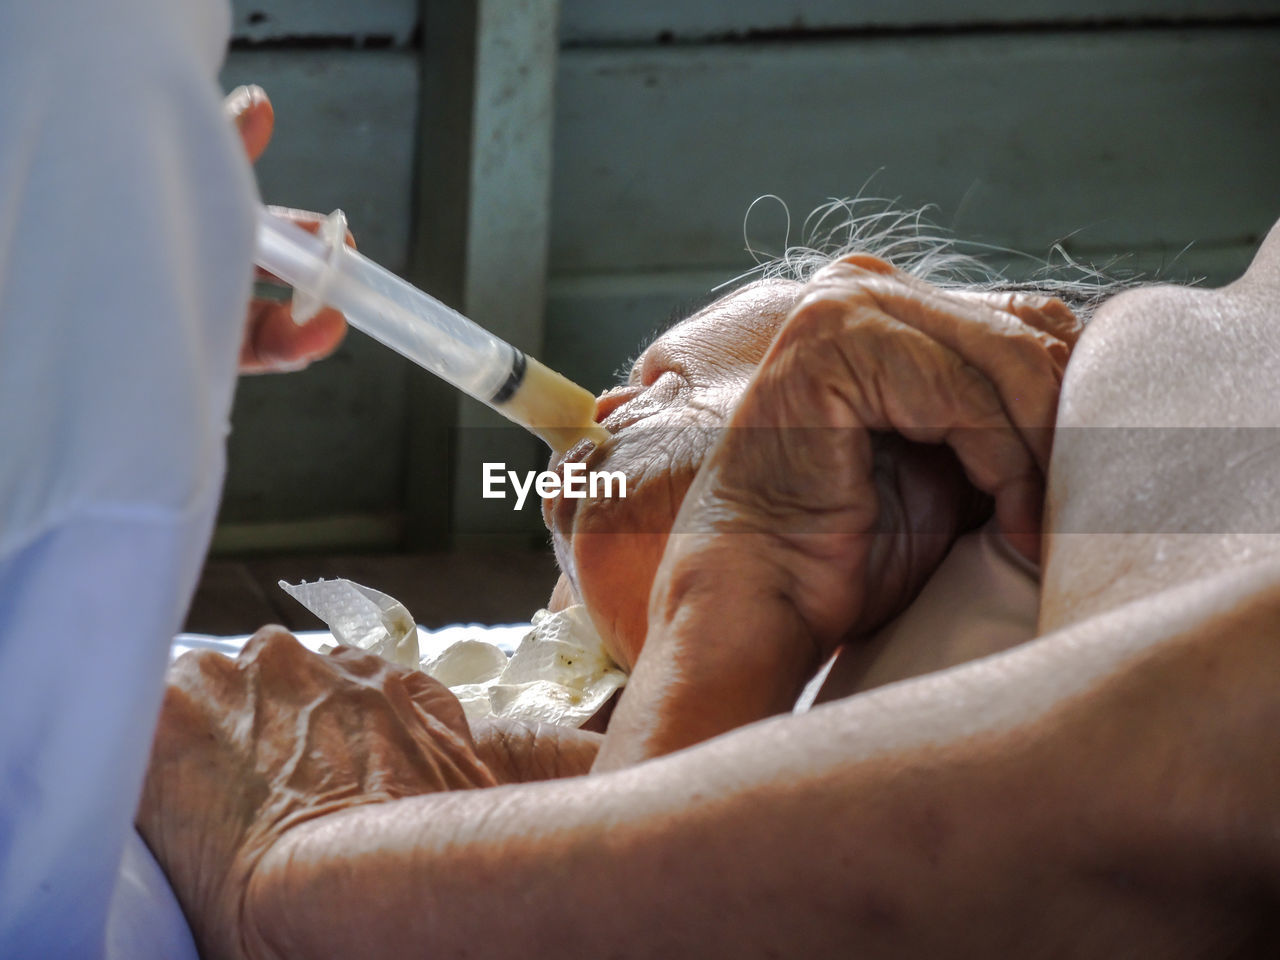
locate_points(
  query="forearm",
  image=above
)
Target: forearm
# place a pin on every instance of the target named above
(725, 647)
(938, 817)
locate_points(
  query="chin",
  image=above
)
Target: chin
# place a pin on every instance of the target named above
(610, 548)
(613, 574)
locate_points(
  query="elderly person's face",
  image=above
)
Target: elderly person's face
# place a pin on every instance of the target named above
(678, 395)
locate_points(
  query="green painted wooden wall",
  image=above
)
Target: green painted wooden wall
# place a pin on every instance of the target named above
(1135, 128)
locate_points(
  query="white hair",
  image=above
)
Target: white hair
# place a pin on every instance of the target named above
(911, 243)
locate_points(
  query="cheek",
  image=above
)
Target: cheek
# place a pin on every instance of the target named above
(615, 575)
(613, 546)
(614, 551)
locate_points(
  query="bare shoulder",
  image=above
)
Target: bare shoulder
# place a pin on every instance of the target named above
(1167, 449)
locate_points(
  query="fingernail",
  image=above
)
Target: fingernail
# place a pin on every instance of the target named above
(240, 100)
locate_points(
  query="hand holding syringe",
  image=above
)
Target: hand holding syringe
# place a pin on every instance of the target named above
(323, 270)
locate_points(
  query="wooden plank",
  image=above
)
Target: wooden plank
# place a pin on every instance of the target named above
(229, 600)
(344, 137)
(235, 597)
(483, 228)
(596, 324)
(437, 588)
(507, 239)
(258, 21)
(376, 531)
(1117, 141)
(624, 21)
(329, 441)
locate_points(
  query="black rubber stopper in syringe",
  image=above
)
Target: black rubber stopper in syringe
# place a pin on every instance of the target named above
(514, 378)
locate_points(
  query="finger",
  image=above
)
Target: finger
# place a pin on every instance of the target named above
(434, 699)
(863, 261)
(896, 377)
(356, 662)
(1048, 314)
(521, 751)
(1025, 365)
(1020, 515)
(1045, 313)
(960, 407)
(1046, 319)
(270, 642)
(279, 670)
(442, 726)
(251, 111)
(964, 407)
(273, 343)
(209, 677)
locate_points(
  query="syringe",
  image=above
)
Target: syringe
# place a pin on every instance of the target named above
(322, 270)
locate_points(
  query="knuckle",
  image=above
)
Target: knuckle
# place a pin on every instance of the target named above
(819, 315)
(196, 667)
(272, 644)
(357, 662)
(850, 264)
(866, 261)
(419, 684)
(1042, 309)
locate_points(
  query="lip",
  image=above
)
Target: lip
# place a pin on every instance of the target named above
(559, 512)
(615, 399)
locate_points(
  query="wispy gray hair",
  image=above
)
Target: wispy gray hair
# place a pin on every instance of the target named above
(910, 242)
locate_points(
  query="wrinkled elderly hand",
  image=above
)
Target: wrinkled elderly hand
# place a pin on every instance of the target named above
(273, 343)
(884, 413)
(247, 748)
(883, 407)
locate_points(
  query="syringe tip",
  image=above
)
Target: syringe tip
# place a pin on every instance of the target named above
(558, 410)
(596, 434)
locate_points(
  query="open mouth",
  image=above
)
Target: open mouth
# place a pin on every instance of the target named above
(559, 511)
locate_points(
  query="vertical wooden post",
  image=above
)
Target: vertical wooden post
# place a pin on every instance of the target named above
(480, 241)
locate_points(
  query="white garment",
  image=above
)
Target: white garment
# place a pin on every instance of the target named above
(126, 230)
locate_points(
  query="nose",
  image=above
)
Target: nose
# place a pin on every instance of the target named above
(611, 400)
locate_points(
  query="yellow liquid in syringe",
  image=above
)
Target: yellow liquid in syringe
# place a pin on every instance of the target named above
(554, 407)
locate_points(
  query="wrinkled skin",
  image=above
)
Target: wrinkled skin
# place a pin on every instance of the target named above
(877, 368)
(299, 736)
(1105, 791)
(868, 414)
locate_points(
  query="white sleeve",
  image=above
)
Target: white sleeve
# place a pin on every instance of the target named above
(126, 226)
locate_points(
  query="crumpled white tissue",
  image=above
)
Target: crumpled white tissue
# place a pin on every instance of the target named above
(359, 616)
(559, 673)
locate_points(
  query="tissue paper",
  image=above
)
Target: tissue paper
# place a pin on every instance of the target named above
(360, 616)
(559, 673)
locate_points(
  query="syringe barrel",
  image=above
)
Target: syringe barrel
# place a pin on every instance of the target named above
(390, 310)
